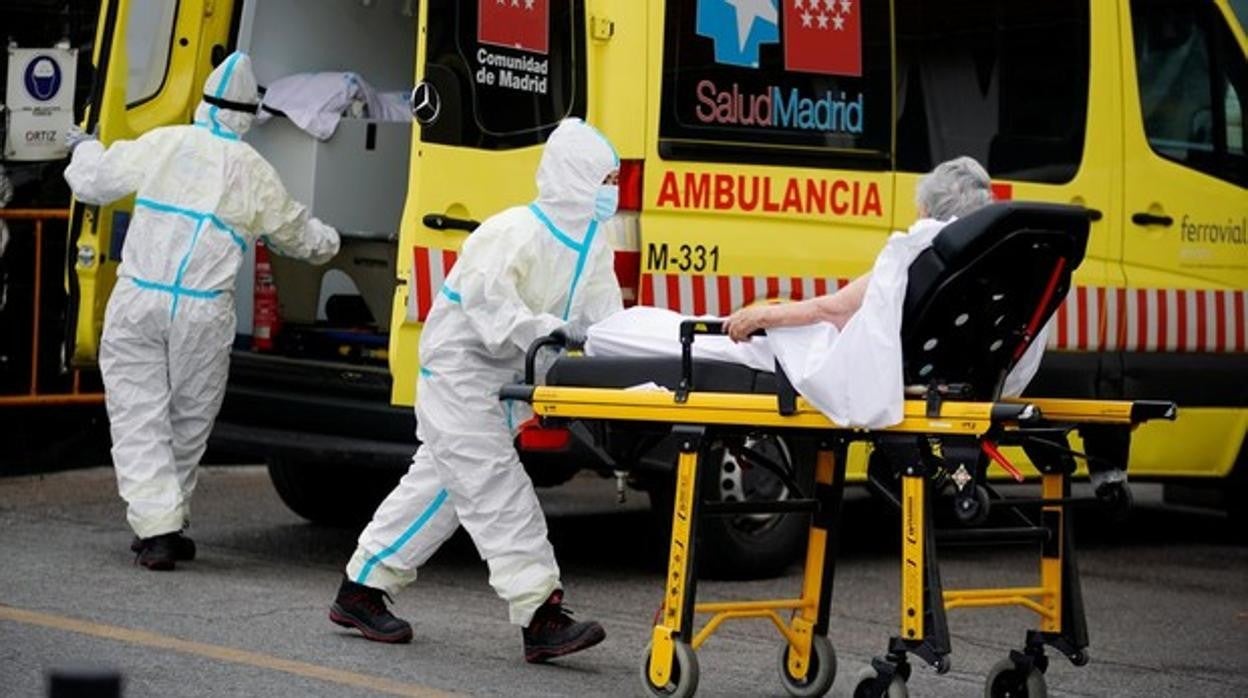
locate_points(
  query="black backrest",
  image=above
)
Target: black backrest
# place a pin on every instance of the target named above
(989, 281)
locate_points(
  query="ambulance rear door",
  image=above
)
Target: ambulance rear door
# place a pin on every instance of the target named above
(770, 173)
(151, 60)
(493, 80)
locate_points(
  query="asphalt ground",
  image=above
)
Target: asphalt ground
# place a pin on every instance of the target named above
(1166, 598)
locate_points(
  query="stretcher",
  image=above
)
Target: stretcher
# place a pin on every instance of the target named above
(974, 302)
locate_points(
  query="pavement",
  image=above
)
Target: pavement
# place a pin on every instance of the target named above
(1166, 598)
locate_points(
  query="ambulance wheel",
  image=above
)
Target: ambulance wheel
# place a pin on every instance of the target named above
(1007, 680)
(754, 546)
(865, 686)
(327, 494)
(819, 675)
(684, 678)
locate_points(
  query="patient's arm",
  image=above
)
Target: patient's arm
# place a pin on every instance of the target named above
(836, 308)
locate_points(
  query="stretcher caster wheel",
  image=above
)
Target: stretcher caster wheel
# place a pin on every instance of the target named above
(865, 686)
(819, 675)
(1008, 680)
(972, 510)
(1117, 500)
(684, 679)
(1079, 657)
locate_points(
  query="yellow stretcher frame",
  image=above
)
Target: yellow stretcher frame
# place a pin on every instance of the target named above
(670, 665)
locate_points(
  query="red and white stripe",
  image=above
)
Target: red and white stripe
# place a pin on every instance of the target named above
(721, 294)
(1092, 318)
(1095, 318)
(430, 267)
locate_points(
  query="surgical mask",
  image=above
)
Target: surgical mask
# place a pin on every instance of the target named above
(606, 201)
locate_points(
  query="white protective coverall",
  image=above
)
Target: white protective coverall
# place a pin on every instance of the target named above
(853, 375)
(203, 196)
(521, 275)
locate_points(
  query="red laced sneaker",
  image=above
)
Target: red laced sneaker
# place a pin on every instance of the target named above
(552, 632)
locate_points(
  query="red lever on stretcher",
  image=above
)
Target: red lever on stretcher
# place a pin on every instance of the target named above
(999, 458)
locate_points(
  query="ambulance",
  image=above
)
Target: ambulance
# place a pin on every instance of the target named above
(768, 149)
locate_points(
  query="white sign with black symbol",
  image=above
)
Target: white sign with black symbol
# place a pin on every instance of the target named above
(40, 102)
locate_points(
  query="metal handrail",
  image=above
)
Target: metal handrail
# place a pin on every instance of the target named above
(33, 397)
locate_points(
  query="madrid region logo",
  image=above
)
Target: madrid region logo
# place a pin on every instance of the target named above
(820, 36)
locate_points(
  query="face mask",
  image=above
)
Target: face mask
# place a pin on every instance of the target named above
(606, 201)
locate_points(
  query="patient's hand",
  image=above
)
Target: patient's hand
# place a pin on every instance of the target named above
(745, 321)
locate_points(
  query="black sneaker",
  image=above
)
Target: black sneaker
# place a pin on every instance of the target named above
(183, 547)
(553, 633)
(158, 552)
(364, 609)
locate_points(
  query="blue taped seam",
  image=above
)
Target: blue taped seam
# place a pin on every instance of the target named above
(580, 266)
(218, 131)
(186, 259)
(554, 230)
(402, 540)
(225, 81)
(195, 215)
(426, 372)
(608, 143)
(166, 288)
(451, 295)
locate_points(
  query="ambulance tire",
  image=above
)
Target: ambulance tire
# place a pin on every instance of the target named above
(1237, 493)
(744, 547)
(331, 494)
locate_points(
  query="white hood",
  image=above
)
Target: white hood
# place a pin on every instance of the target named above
(576, 160)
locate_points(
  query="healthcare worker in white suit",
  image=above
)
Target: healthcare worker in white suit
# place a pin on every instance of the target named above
(203, 197)
(523, 274)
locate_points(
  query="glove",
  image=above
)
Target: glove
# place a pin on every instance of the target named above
(572, 337)
(75, 137)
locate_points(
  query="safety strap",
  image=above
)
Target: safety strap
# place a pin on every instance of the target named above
(231, 105)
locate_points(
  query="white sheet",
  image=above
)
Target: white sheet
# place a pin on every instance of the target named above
(854, 376)
(316, 102)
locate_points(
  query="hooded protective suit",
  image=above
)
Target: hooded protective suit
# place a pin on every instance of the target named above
(203, 196)
(521, 275)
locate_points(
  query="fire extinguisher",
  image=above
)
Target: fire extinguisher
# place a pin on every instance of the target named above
(266, 322)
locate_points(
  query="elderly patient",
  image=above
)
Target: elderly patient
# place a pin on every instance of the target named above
(841, 351)
(951, 190)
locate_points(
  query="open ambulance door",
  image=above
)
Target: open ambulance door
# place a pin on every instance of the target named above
(493, 81)
(151, 60)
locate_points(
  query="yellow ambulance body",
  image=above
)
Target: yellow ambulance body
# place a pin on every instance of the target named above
(770, 147)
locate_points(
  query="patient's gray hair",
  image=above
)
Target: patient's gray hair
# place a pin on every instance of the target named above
(953, 188)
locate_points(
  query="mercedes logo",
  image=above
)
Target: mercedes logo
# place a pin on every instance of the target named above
(425, 103)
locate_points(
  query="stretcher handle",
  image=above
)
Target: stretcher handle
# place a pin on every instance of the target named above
(530, 357)
(688, 330)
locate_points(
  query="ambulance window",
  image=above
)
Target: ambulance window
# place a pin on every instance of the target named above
(1003, 82)
(149, 39)
(505, 72)
(798, 82)
(1192, 79)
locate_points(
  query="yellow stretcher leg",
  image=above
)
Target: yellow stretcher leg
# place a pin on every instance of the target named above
(913, 491)
(1053, 487)
(679, 569)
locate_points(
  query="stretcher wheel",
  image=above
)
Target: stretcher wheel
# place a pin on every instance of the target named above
(973, 511)
(865, 686)
(1079, 658)
(819, 675)
(1008, 680)
(684, 679)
